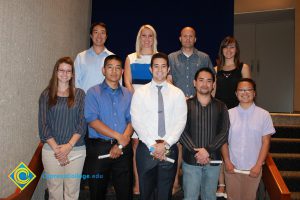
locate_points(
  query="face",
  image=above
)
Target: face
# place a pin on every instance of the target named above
(159, 70)
(245, 92)
(147, 38)
(204, 83)
(64, 73)
(98, 36)
(188, 37)
(229, 51)
(112, 71)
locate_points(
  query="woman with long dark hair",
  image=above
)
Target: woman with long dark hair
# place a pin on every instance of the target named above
(62, 128)
(229, 71)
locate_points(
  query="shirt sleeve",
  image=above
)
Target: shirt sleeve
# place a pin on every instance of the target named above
(186, 140)
(139, 121)
(91, 110)
(179, 119)
(45, 131)
(81, 126)
(268, 127)
(171, 63)
(222, 131)
(77, 72)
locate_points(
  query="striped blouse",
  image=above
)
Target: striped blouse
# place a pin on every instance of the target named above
(61, 122)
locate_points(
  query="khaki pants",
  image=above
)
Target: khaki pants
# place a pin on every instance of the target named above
(241, 186)
(63, 182)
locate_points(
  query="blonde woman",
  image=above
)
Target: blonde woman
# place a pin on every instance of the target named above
(137, 73)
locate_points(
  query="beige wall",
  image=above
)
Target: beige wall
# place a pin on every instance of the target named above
(241, 6)
(33, 35)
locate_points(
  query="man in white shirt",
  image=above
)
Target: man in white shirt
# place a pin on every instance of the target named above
(159, 126)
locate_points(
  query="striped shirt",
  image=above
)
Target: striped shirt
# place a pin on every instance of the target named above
(61, 122)
(207, 127)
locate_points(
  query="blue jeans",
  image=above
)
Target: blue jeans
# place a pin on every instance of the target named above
(200, 180)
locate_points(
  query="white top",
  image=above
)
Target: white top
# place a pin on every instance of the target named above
(247, 127)
(144, 116)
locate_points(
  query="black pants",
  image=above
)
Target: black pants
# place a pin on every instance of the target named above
(156, 177)
(100, 171)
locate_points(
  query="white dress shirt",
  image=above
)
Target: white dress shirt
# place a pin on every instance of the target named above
(144, 113)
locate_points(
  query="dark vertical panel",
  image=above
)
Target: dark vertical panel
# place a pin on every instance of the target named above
(212, 19)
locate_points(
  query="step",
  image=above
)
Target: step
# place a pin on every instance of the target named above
(295, 195)
(287, 131)
(287, 161)
(292, 180)
(284, 145)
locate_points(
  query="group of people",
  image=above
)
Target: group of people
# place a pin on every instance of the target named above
(172, 112)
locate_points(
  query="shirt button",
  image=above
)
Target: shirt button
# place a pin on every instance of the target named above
(115, 124)
(115, 114)
(114, 103)
(187, 76)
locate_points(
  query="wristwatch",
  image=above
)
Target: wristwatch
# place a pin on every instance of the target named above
(120, 146)
(167, 146)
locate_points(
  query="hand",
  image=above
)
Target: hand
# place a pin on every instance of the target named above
(159, 151)
(63, 161)
(115, 152)
(123, 139)
(254, 171)
(63, 151)
(202, 156)
(229, 167)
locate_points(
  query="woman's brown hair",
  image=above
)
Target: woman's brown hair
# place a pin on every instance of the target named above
(53, 83)
(221, 59)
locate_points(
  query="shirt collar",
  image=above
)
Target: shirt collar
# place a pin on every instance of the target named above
(92, 52)
(248, 110)
(194, 52)
(105, 86)
(153, 84)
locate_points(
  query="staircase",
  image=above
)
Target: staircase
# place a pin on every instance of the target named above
(285, 150)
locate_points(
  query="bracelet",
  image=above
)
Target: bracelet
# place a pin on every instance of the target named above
(71, 145)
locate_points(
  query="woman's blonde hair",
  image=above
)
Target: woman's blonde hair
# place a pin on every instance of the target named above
(138, 47)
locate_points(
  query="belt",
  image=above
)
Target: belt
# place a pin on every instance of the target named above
(111, 141)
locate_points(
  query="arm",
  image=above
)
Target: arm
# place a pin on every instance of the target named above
(213, 93)
(128, 76)
(246, 71)
(255, 170)
(229, 167)
(179, 116)
(223, 128)
(140, 122)
(80, 128)
(77, 71)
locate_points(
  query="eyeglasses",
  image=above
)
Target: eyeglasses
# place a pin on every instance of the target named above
(245, 90)
(64, 71)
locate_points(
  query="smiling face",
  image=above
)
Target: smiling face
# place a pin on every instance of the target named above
(112, 72)
(204, 83)
(159, 70)
(245, 93)
(187, 37)
(147, 38)
(98, 36)
(64, 73)
(229, 51)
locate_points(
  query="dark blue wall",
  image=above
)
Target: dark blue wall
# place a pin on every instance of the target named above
(212, 19)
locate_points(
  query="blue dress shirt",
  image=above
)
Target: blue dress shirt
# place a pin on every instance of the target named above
(110, 106)
(88, 68)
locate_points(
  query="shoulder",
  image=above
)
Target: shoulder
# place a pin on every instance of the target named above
(79, 92)
(108, 52)
(174, 54)
(261, 111)
(175, 89)
(126, 92)
(45, 93)
(220, 104)
(83, 53)
(201, 53)
(93, 90)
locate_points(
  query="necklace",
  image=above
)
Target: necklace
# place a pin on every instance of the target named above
(226, 74)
